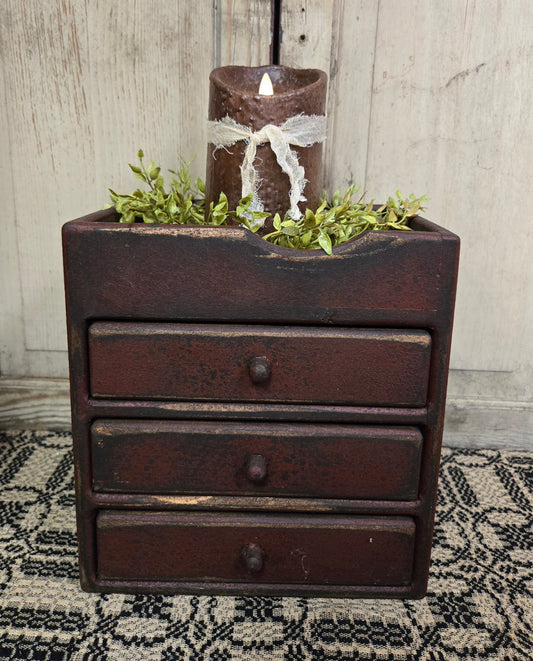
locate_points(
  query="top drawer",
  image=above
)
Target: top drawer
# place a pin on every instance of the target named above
(130, 360)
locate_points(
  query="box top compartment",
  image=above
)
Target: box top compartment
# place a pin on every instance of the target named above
(173, 272)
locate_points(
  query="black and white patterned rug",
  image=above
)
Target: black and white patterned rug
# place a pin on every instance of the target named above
(479, 606)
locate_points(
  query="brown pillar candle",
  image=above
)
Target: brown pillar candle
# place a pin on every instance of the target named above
(234, 99)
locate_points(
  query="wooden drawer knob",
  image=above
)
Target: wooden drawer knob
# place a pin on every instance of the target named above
(260, 369)
(256, 468)
(253, 557)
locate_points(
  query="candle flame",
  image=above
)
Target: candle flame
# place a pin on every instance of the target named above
(266, 87)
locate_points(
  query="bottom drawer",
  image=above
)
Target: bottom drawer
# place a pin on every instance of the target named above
(245, 548)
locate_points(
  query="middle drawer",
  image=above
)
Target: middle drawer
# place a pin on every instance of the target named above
(328, 461)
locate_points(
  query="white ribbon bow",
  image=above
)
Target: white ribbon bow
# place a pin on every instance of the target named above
(299, 130)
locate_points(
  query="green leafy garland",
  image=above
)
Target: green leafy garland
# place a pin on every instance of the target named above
(334, 222)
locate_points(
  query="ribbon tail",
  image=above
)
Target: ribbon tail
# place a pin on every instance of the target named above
(249, 175)
(288, 162)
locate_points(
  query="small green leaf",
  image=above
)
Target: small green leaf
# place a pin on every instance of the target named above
(309, 218)
(325, 242)
(306, 238)
(222, 202)
(140, 176)
(288, 227)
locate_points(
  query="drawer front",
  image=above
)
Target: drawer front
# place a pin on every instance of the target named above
(329, 461)
(259, 363)
(241, 548)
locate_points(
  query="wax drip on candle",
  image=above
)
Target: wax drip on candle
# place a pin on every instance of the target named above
(266, 88)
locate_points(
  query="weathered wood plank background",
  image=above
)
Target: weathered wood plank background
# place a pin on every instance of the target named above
(432, 98)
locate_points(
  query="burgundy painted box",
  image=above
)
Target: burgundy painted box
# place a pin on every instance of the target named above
(249, 419)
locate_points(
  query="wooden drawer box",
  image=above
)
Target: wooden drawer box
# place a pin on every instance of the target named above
(247, 363)
(250, 419)
(327, 461)
(239, 548)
